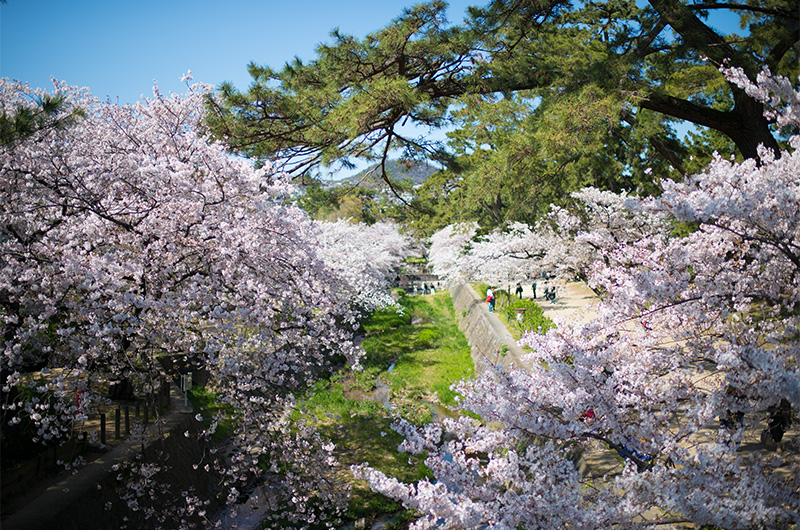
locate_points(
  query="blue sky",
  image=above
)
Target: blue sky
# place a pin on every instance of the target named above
(118, 48)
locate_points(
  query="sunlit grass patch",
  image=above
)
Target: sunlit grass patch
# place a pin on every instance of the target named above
(426, 355)
(205, 401)
(361, 431)
(414, 356)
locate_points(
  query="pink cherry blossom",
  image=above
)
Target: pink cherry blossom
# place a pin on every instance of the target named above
(126, 236)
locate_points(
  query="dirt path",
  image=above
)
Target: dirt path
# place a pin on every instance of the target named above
(575, 302)
(42, 507)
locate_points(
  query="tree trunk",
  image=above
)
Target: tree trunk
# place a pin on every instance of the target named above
(745, 124)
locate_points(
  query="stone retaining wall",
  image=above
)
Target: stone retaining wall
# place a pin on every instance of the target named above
(488, 338)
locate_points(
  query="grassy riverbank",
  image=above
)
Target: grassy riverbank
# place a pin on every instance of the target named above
(411, 360)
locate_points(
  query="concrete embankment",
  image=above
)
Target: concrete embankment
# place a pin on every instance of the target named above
(489, 340)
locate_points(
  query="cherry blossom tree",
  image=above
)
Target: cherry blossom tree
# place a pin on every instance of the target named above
(566, 243)
(694, 331)
(126, 236)
(505, 255)
(447, 249)
(366, 257)
(457, 253)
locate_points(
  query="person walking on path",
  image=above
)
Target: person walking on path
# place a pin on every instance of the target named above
(519, 291)
(779, 421)
(533, 288)
(490, 299)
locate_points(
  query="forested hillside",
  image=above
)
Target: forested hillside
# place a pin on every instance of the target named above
(397, 170)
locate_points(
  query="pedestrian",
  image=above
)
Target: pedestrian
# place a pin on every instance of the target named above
(779, 421)
(519, 291)
(433, 289)
(533, 288)
(490, 299)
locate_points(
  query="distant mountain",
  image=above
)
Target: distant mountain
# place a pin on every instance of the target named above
(397, 170)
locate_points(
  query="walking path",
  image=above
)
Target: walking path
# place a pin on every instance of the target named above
(574, 302)
(41, 507)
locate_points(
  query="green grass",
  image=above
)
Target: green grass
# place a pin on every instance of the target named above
(205, 401)
(424, 348)
(440, 354)
(426, 353)
(361, 431)
(384, 320)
